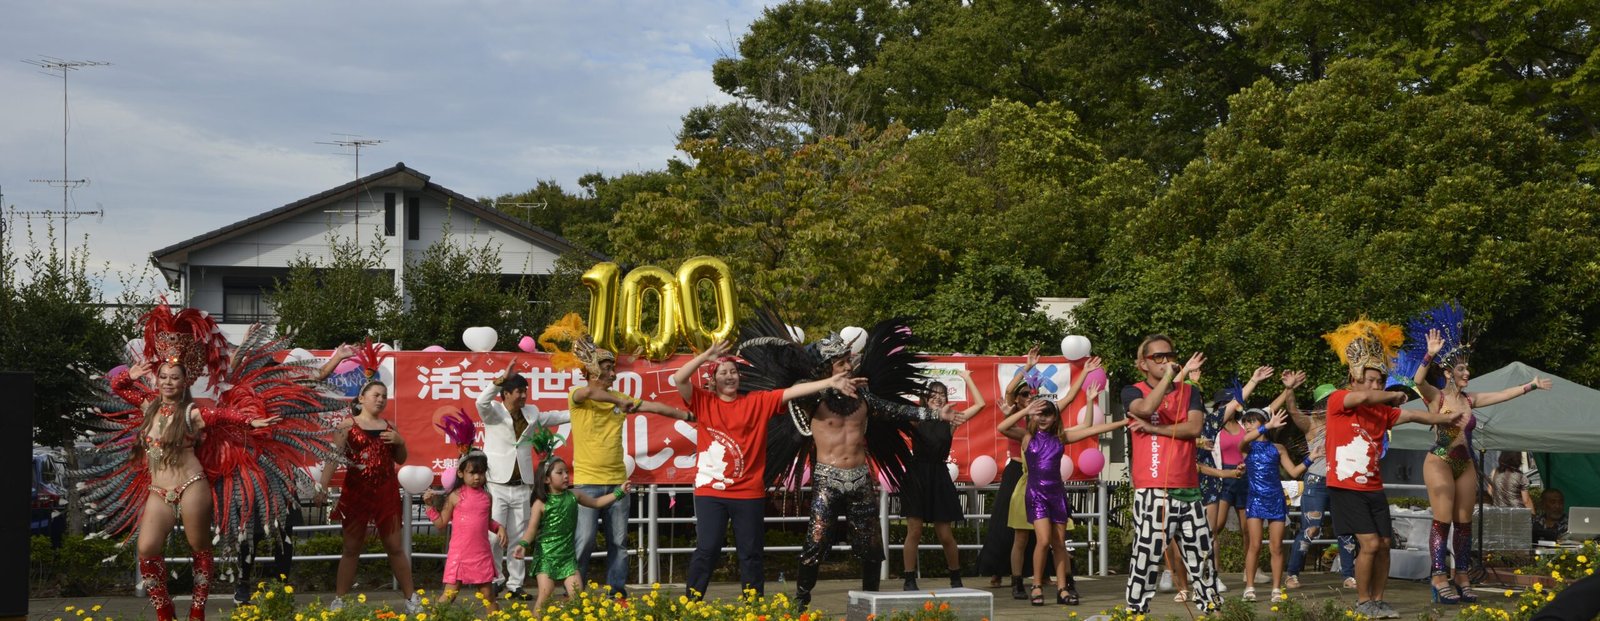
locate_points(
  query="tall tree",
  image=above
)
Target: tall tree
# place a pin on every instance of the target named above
(337, 300)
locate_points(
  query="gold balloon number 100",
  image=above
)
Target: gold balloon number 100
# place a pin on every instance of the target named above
(616, 310)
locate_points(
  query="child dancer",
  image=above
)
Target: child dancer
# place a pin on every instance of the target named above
(554, 520)
(466, 510)
(1266, 500)
(1046, 493)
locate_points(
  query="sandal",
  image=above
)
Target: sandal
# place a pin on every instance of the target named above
(1249, 594)
(1036, 595)
(1181, 597)
(1066, 597)
(1465, 594)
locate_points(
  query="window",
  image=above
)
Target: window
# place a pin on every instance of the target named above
(413, 217)
(388, 214)
(245, 305)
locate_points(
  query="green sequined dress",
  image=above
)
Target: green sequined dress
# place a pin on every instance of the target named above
(555, 547)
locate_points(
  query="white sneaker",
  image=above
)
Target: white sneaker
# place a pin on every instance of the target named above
(1349, 583)
(414, 605)
(1165, 583)
(1259, 578)
(336, 605)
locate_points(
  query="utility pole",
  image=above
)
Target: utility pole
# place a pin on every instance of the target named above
(355, 143)
(52, 66)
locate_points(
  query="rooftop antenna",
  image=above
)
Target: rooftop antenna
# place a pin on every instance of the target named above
(51, 66)
(355, 143)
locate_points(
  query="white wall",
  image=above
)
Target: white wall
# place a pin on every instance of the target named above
(517, 255)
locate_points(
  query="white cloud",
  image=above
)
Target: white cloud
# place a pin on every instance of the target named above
(211, 111)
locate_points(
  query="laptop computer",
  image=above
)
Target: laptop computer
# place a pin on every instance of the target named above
(1583, 523)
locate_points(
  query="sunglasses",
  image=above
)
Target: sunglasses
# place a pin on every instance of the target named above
(1164, 356)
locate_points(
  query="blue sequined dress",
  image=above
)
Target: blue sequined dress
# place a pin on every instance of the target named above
(1266, 500)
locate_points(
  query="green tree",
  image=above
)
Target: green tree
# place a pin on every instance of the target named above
(1356, 195)
(985, 308)
(454, 286)
(341, 299)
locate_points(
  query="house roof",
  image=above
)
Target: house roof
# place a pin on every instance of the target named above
(395, 176)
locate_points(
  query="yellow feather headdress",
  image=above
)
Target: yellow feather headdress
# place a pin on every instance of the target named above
(571, 347)
(1365, 344)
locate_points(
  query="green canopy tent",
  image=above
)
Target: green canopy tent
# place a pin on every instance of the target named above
(1561, 427)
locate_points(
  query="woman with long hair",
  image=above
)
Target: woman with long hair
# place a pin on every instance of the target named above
(1508, 486)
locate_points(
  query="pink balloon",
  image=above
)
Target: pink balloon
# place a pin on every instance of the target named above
(433, 348)
(1099, 415)
(1095, 380)
(1066, 467)
(115, 371)
(347, 366)
(1091, 462)
(448, 478)
(527, 344)
(982, 470)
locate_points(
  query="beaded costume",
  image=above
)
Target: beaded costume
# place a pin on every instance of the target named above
(253, 472)
(371, 493)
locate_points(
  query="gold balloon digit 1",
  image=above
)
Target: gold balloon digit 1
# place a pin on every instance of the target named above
(664, 341)
(601, 280)
(690, 274)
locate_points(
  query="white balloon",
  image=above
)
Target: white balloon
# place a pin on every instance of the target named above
(481, 338)
(1066, 468)
(983, 469)
(797, 334)
(1075, 347)
(856, 337)
(298, 355)
(955, 471)
(415, 479)
(628, 464)
(315, 470)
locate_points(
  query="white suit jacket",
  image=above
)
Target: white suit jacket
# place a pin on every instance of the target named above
(500, 442)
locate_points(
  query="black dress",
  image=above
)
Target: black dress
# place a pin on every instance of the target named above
(927, 491)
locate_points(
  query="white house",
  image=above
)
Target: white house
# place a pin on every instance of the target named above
(227, 272)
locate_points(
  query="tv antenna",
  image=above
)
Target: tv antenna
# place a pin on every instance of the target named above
(52, 66)
(355, 143)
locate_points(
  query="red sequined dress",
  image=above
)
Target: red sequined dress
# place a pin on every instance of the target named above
(371, 491)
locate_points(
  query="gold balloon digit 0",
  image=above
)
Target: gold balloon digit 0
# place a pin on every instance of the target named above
(690, 275)
(664, 342)
(601, 280)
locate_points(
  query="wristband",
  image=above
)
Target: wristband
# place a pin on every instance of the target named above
(1529, 387)
(526, 545)
(1427, 359)
(1261, 429)
(1308, 460)
(619, 493)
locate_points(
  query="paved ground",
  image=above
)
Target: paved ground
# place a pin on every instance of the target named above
(1411, 598)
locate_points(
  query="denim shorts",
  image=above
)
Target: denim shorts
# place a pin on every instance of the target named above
(1234, 491)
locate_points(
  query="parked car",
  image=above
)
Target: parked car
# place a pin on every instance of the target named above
(48, 515)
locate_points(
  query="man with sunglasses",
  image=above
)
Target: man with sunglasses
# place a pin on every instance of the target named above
(1165, 415)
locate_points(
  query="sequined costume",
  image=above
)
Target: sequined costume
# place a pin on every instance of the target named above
(555, 553)
(928, 493)
(1265, 500)
(253, 472)
(849, 493)
(470, 561)
(1457, 456)
(1046, 493)
(371, 493)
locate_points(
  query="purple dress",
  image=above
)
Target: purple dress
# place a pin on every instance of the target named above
(1046, 496)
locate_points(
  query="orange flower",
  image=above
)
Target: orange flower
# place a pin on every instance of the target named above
(871, 617)
(944, 607)
(928, 606)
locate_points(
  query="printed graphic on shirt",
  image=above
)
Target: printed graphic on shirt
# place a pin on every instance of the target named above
(721, 463)
(1355, 461)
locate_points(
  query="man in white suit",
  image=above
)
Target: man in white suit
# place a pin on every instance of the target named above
(511, 467)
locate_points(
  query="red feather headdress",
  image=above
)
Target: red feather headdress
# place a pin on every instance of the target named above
(189, 338)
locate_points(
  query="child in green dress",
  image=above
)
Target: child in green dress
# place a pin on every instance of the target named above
(553, 555)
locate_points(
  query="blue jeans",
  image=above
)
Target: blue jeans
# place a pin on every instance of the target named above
(1314, 517)
(616, 518)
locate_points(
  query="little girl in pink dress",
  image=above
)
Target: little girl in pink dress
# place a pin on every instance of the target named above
(469, 563)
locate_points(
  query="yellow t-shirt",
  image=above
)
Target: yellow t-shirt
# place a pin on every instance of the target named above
(597, 441)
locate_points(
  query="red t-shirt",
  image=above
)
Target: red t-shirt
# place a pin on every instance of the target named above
(1354, 441)
(1164, 462)
(731, 448)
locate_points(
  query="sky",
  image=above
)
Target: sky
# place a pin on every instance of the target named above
(211, 112)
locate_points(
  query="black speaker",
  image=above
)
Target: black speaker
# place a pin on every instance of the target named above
(16, 448)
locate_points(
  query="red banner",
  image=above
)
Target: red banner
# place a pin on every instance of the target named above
(426, 385)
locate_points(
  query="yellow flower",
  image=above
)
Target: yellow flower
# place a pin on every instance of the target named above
(1508, 592)
(95, 608)
(422, 616)
(1583, 559)
(1555, 573)
(1538, 586)
(1274, 608)
(270, 594)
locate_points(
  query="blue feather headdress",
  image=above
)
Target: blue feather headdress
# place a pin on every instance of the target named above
(1451, 322)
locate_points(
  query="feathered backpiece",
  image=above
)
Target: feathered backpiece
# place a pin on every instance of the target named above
(1451, 322)
(571, 347)
(458, 428)
(189, 338)
(369, 356)
(1402, 375)
(1365, 344)
(256, 473)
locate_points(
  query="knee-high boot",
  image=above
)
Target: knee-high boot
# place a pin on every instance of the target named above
(204, 569)
(153, 570)
(803, 585)
(870, 575)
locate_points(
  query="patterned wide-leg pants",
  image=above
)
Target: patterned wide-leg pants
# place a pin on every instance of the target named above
(1158, 517)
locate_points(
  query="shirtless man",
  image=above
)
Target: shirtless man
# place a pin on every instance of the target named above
(841, 477)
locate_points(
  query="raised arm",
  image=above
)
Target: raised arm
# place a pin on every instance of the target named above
(341, 353)
(130, 389)
(977, 397)
(1486, 399)
(1145, 407)
(1291, 381)
(684, 377)
(1420, 377)
(1008, 425)
(1275, 421)
(1033, 361)
(490, 414)
(1077, 383)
